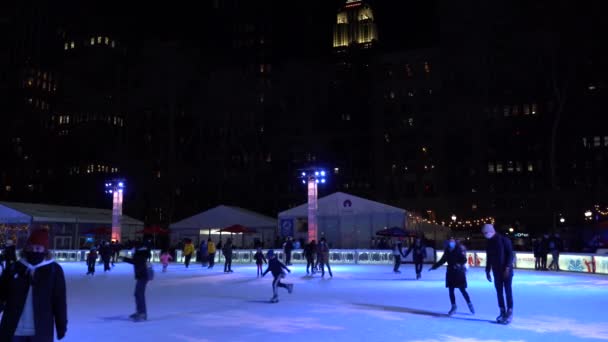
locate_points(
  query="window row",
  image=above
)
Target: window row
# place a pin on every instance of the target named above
(595, 141)
(92, 168)
(392, 94)
(38, 103)
(513, 166)
(515, 110)
(78, 118)
(99, 40)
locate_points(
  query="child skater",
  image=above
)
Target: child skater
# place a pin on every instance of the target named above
(91, 259)
(259, 261)
(164, 259)
(456, 273)
(277, 267)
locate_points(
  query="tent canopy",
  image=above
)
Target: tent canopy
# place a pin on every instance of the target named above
(224, 216)
(26, 213)
(340, 202)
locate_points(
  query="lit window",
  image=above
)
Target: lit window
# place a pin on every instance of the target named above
(107, 40)
(336, 170)
(498, 167)
(427, 67)
(596, 141)
(262, 68)
(515, 110)
(408, 70)
(533, 108)
(585, 142)
(7, 188)
(113, 44)
(509, 166)
(530, 167)
(491, 167)
(410, 122)
(391, 94)
(72, 45)
(518, 166)
(606, 140)
(98, 40)
(410, 93)
(506, 110)
(92, 40)
(65, 46)
(526, 109)
(473, 206)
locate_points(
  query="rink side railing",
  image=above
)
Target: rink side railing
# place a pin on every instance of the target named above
(574, 262)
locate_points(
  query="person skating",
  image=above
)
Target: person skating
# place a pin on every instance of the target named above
(456, 273)
(140, 269)
(499, 260)
(211, 251)
(203, 252)
(397, 254)
(188, 251)
(259, 261)
(33, 294)
(106, 255)
(418, 250)
(287, 249)
(91, 260)
(227, 251)
(323, 257)
(277, 268)
(309, 252)
(165, 257)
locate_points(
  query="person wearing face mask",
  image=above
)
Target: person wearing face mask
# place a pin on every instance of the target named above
(34, 294)
(456, 273)
(499, 254)
(418, 256)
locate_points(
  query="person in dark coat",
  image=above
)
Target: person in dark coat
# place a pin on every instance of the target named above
(203, 253)
(288, 248)
(259, 260)
(397, 254)
(91, 260)
(277, 267)
(106, 255)
(323, 257)
(33, 294)
(456, 273)
(537, 253)
(556, 245)
(418, 256)
(309, 252)
(140, 268)
(544, 250)
(499, 260)
(227, 251)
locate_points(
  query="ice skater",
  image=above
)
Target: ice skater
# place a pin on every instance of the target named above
(499, 254)
(164, 260)
(91, 259)
(277, 268)
(140, 269)
(323, 257)
(309, 252)
(259, 261)
(418, 256)
(397, 254)
(456, 273)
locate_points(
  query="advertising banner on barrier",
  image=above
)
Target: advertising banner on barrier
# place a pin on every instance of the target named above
(524, 260)
(601, 264)
(575, 263)
(480, 258)
(471, 261)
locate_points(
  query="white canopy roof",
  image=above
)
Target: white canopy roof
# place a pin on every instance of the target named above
(223, 216)
(339, 203)
(26, 213)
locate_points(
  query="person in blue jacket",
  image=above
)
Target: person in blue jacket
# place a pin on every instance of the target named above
(278, 272)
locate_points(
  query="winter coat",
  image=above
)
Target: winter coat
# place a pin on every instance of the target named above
(48, 298)
(165, 258)
(398, 248)
(210, 247)
(288, 246)
(203, 249)
(106, 252)
(188, 249)
(140, 263)
(259, 258)
(92, 256)
(499, 254)
(9, 255)
(419, 253)
(323, 253)
(310, 250)
(537, 248)
(227, 250)
(456, 272)
(276, 267)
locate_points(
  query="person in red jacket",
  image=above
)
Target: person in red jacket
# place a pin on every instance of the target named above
(33, 293)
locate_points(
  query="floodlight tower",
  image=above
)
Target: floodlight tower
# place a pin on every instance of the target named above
(312, 177)
(116, 187)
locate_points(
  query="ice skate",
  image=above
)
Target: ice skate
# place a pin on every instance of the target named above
(500, 317)
(471, 308)
(140, 317)
(290, 288)
(274, 299)
(508, 316)
(417, 276)
(452, 310)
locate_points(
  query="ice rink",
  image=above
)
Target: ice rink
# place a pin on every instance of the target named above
(360, 303)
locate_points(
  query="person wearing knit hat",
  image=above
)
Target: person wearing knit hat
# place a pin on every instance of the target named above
(33, 293)
(276, 267)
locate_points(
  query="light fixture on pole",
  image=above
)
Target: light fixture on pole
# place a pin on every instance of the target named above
(116, 187)
(454, 218)
(312, 177)
(588, 215)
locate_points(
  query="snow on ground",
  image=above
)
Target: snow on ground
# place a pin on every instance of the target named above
(360, 303)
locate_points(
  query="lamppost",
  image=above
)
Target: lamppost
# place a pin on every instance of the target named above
(115, 187)
(312, 177)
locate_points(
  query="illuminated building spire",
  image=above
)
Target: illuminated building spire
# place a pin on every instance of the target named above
(355, 26)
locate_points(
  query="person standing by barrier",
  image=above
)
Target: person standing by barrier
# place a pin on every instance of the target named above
(544, 250)
(499, 260)
(227, 251)
(288, 248)
(323, 256)
(555, 247)
(211, 251)
(418, 256)
(309, 253)
(536, 245)
(456, 273)
(33, 293)
(397, 254)
(188, 251)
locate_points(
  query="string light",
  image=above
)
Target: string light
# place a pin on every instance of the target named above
(469, 223)
(600, 211)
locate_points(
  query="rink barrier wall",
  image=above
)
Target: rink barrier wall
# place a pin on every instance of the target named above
(574, 262)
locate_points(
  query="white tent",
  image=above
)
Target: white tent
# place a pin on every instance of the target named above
(207, 223)
(346, 221)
